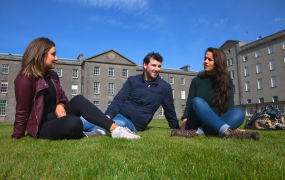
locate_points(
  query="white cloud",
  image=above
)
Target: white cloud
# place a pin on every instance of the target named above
(279, 19)
(106, 20)
(131, 5)
(203, 21)
(221, 22)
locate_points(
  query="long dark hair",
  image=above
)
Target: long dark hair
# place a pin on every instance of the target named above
(221, 80)
(34, 56)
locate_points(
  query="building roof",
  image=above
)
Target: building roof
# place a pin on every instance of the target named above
(229, 43)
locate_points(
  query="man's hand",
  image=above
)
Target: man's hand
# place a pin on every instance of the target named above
(60, 111)
(183, 126)
(108, 116)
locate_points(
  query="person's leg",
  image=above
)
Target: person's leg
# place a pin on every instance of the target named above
(207, 120)
(80, 106)
(66, 127)
(120, 120)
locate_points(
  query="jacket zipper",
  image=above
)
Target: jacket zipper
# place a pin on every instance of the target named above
(35, 108)
(143, 100)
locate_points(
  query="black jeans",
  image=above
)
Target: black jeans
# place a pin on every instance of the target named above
(70, 126)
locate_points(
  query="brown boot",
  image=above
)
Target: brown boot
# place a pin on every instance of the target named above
(184, 133)
(241, 135)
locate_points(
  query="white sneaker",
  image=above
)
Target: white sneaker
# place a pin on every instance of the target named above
(94, 133)
(121, 132)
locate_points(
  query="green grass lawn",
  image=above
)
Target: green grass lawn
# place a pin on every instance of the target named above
(155, 156)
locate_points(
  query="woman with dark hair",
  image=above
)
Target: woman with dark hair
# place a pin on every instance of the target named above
(209, 108)
(42, 107)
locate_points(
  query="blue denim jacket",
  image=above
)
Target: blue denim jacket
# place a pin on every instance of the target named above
(139, 100)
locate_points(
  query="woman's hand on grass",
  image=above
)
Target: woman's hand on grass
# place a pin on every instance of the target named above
(60, 111)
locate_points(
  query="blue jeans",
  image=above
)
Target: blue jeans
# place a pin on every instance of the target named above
(202, 117)
(120, 120)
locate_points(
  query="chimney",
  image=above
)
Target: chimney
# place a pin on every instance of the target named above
(186, 68)
(80, 57)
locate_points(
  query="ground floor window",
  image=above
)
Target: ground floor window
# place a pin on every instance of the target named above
(249, 111)
(3, 105)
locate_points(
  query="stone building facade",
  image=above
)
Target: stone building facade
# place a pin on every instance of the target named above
(258, 71)
(98, 78)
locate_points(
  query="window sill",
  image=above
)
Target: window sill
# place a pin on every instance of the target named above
(4, 92)
(271, 69)
(74, 77)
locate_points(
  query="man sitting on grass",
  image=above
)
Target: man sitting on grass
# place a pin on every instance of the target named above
(135, 104)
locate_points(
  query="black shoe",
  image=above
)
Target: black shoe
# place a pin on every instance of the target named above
(184, 133)
(241, 135)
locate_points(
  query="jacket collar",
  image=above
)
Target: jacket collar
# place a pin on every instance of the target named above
(155, 82)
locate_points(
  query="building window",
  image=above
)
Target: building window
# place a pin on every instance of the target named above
(270, 49)
(183, 108)
(273, 81)
(272, 64)
(125, 73)
(182, 81)
(3, 106)
(245, 57)
(258, 68)
(246, 73)
(249, 111)
(257, 54)
(74, 89)
(111, 72)
(109, 102)
(230, 62)
(229, 51)
(275, 98)
(234, 88)
(248, 101)
(96, 88)
(173, 93)
(261, 100)
(283, 44)
(96, 70)
(280, 107)
(232, 74)
(259, 84)
(171, 80)
(111, 88)
(96, 103)
(4, 86)
(5, 68)
(58, 72)
(247, 86)
(183, 94)
(160, 112)
(74, 73)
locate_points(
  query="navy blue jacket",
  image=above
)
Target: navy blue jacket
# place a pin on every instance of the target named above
(138, 101)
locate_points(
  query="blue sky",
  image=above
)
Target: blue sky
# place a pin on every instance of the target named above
(181, 30)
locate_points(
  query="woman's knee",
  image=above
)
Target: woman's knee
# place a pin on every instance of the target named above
(74, 123)
(197, 101)
(77, 98)
(238, 116)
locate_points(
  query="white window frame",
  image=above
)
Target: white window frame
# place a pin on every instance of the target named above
(259, 84)
(182, 81)
(160, 111)
(274, 98)
(247, 86)
(74, 73)
(4, 87)
(3, 107)
(283, 44)
(111, 89)
(183, 94)
(125, 73)
(111, 72)
(270, 49)
(58, 72)
(245, 58)
(173, 93)
(248, 101)
(257, 53)
(96, 88)
(249, 111)
(96, 70)
(259, 100)
(232, 74)
(246, 73)
(273, 81)
(272, 64)
(171, 80)
(232, 61)
(258, 68)
(5, 69)
(74, 90)
(96, 103)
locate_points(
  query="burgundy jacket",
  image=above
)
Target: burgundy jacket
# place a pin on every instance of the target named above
(30, 103)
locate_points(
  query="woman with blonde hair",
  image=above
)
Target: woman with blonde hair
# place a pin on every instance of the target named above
(42, 107)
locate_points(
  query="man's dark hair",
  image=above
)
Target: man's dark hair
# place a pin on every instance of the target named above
(153, 55)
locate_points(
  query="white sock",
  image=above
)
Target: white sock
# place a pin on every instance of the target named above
(116, 130)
